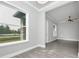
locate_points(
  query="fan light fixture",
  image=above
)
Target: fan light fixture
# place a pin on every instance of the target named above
(42, 2)
(69, 19)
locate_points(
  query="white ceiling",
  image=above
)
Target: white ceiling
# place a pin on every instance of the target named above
(57, 10)
(60, 14)
(47, 6)
(38, 5)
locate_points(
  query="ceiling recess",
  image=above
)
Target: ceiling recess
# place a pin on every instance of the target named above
(42, 2)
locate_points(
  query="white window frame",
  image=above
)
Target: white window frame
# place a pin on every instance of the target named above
(27, 27)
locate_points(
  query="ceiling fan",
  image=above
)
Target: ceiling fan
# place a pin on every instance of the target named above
(69, 19)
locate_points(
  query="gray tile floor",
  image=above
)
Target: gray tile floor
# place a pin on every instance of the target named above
(56, 49)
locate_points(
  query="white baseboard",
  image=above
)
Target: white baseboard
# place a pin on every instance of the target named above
(42, 46)
(67, 39)
(51, 41)
(19, 52)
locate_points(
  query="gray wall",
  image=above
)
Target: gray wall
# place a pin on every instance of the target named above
(68, 31)
(50, 29)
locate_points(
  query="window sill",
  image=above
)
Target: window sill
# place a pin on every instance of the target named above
(11, 43)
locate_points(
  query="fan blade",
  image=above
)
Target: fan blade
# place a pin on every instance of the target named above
(67, 18)
(75, 19)
(64, 21)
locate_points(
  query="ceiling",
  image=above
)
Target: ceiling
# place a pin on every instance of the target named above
(47, 6)
(60, 14)
(56, 10)
(37, 5)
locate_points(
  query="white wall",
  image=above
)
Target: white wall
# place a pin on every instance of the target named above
(36, 30)
(49, 29)
(68, 31)
(41, 28)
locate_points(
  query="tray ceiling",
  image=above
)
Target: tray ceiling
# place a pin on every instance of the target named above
(38, 5)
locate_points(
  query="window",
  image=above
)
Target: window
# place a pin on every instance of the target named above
(55, 30)
(12, 25)
(22, 17)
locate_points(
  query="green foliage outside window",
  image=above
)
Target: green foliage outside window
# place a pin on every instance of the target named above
(6, 30)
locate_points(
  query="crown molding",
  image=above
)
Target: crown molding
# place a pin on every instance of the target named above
(52, 5)
(32, 6)
(15, 6)
(55, 4)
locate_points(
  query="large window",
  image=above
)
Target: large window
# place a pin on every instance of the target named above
(12, 25)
